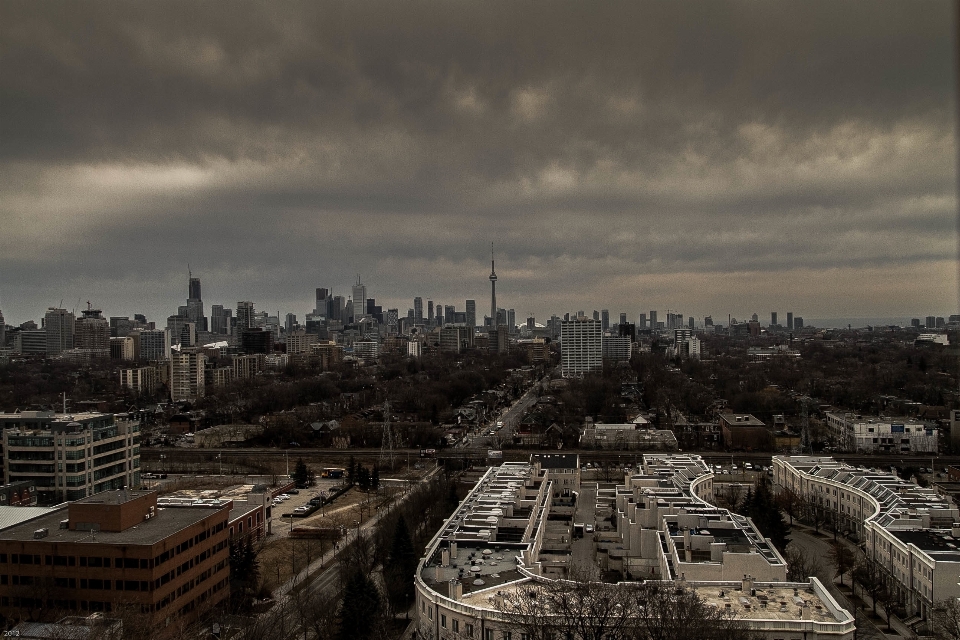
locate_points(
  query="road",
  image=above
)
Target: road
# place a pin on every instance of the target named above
(323, 574)
(205, 461)
(815, 547)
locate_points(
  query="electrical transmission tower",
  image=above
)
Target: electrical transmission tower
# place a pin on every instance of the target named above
(386, 444)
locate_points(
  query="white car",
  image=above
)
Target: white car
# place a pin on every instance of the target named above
(588, 528)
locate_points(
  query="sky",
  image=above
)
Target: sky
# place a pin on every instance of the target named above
(709, 158)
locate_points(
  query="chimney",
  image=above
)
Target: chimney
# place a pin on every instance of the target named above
(453, 549)
(445, 557)
(716, 551)
(455, 589)
(747, 583)
(955, 530)
(438, 573)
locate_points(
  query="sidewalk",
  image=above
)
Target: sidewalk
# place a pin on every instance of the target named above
(303, 576)
(859, 604)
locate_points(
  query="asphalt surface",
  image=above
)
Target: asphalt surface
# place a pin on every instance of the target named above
(816, 547)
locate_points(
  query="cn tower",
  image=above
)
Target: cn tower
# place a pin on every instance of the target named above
(493, 291)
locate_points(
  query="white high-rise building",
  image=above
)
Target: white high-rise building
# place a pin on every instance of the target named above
(187, 374)
(581, 346)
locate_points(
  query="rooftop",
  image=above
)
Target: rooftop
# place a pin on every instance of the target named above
(556, 460)
(167, 522)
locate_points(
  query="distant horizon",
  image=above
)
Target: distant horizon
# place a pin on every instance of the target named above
(856, 322)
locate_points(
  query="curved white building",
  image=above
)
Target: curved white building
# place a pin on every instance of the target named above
(909, 530)
(528, 523)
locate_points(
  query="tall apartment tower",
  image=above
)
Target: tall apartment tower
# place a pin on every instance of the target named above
(418, 310)
(3, 331)
(653, 320)
(58, 325)
(493, 289)
(471, 313)
(359, 300)
(245, 316)
(641, 321)
(187, 374)
(430, 317)
(92, 333)
(790, 320)
(773, 318)
(581, 346)
(605, 319)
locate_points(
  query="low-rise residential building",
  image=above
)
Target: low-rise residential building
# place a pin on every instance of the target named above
(517, 531)
(22, 493)
(909, 531)
(744, 432)
(881, 434)
(627, 437)
(70, 456)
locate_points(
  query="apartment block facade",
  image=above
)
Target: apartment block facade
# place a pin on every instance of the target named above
(882, 434)
(581, 347)
(70, 456)
(908, 530)
(114, 550)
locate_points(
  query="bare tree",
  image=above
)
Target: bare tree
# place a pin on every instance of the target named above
(842, 559)
(789, 501)
(801, 565)
(648, 611)
(316, 611)
(945, 621)
(870, 575)
(667, 611)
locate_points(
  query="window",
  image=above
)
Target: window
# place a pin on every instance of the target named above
(443, 621)
(469, 629)
(455, 624)
(488, 635)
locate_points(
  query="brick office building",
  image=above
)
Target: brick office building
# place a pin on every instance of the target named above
(117, 549)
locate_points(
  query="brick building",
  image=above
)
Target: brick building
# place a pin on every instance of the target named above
(114, 549)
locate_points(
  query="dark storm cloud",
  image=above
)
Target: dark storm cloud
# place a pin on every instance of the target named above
(286, 146)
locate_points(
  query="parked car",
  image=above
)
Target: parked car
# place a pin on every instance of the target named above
(293, 492)
(588, 528)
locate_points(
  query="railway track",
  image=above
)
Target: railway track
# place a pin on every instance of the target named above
(260, 457)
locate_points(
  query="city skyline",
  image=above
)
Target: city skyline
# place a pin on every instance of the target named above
(730, 158)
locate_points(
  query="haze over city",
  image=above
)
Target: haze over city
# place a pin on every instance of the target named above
(709, 158)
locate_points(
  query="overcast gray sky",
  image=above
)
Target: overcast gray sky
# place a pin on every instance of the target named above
(707, 157)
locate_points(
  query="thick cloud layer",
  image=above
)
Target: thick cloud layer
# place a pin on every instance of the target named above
(722, 157)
